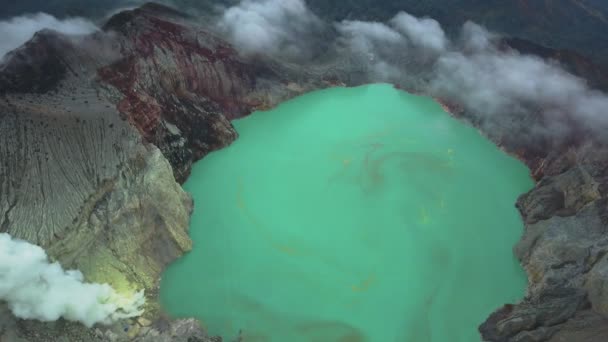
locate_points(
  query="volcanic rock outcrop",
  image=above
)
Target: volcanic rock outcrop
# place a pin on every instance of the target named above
(97, 132)
(179, 85)
(94, 132)
(564, 252)
(76, 179)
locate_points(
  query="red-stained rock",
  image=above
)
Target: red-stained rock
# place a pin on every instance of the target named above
(181, 85)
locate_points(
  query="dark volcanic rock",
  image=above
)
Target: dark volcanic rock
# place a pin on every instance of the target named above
(181, 85)
(162, 330)
(574, 62)
(563, 251)
(76, 179)
(36, 67)
(533, 321)
(82, 120)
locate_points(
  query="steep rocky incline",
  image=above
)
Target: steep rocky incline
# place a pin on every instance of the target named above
(564, 251)
(180, 85)
(94, 133)
(564, 248)
(76, 179)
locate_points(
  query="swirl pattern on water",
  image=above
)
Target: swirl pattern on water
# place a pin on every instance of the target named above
(362, 214)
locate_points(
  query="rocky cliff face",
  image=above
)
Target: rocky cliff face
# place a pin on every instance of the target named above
(574, 62)
(564, 247)
(179, 85)
(76, 179)
(96, 133)
(563, 251)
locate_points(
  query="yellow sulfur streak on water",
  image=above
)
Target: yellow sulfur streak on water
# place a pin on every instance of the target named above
(351, 215)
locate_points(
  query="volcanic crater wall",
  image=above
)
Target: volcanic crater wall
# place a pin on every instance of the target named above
(95, 131)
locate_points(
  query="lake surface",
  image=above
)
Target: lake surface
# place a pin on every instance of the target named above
(349, 215)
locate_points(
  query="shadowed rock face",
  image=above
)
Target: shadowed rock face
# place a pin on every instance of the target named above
(95, 131)
(563, 251)
(180, 85)
(35, 67)
(76, 179)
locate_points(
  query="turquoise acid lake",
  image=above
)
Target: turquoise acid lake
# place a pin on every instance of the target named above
(349, 215)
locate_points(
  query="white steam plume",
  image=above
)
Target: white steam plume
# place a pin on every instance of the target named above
(404, 46)
(499, 86)
(277, 27)
(36, 289)
(375, 43)
(424, 33)
(483, 78)
(18, 30)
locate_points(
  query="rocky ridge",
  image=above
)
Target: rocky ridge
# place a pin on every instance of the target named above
(96, 132)
(180, 85)
(563, 251)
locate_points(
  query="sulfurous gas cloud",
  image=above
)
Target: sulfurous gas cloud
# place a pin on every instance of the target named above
(18, 30)
(502, 88)
(35, 288)
(477, 74)
(284, 28)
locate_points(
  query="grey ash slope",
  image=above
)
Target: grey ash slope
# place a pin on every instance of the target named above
(94, 132)
(80, 170)
(62, 138)
(76, 179)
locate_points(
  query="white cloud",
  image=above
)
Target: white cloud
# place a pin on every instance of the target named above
(369, 32)
(424, 33)
(34, 288)
(18, 30)
(373, 44)
(494, 82)
(274, 27)
(498, 86)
